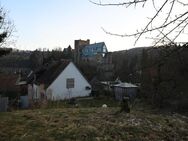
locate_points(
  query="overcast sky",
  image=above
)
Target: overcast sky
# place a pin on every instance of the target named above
(57, 23)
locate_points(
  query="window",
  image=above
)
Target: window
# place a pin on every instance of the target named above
(104, 49)
(70, 83)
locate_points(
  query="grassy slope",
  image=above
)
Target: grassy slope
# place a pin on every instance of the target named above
(90, 124)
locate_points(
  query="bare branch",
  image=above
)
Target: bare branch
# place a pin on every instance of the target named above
(184, 4)
(166, 36)
(172, 30)
(180, 32)
(168, 15)
(148, 30)
(6, 28)
(146, 27)
(133, 2)
(171, 22)
(153, 2)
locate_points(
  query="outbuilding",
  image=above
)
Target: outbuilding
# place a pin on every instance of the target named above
(125, 89)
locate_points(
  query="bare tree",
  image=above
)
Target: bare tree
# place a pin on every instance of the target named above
(172, 14)
(6, 28)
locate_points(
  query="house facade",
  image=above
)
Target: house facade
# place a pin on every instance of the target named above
(70, 83)
(60, 81)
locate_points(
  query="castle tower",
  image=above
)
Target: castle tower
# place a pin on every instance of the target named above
(78, 46)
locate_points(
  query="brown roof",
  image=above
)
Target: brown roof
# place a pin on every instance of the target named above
(8, 82)
(51, 72)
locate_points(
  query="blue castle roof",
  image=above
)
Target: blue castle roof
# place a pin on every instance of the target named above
(93, 49)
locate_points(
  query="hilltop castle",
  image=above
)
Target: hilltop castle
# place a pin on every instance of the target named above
(96, 54)
(84, 51)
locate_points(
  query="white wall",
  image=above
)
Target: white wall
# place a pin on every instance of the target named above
(58, 87)
(36, 90)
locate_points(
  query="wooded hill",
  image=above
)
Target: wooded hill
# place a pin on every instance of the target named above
(160, 71)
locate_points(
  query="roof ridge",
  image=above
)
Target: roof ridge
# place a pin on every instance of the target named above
(51, 73)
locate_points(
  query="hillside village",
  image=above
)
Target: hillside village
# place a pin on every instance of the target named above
(87, 78)
(146, 69)
(26, 68)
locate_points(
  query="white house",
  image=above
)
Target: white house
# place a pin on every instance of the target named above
(60, 81)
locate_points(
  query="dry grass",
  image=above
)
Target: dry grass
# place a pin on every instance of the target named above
(58, 124)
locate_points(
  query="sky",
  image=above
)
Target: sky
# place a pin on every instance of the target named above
(57, 23)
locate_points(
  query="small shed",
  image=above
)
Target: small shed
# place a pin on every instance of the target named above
(125, 89)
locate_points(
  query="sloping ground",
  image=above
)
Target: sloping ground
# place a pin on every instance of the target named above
(91, 124)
